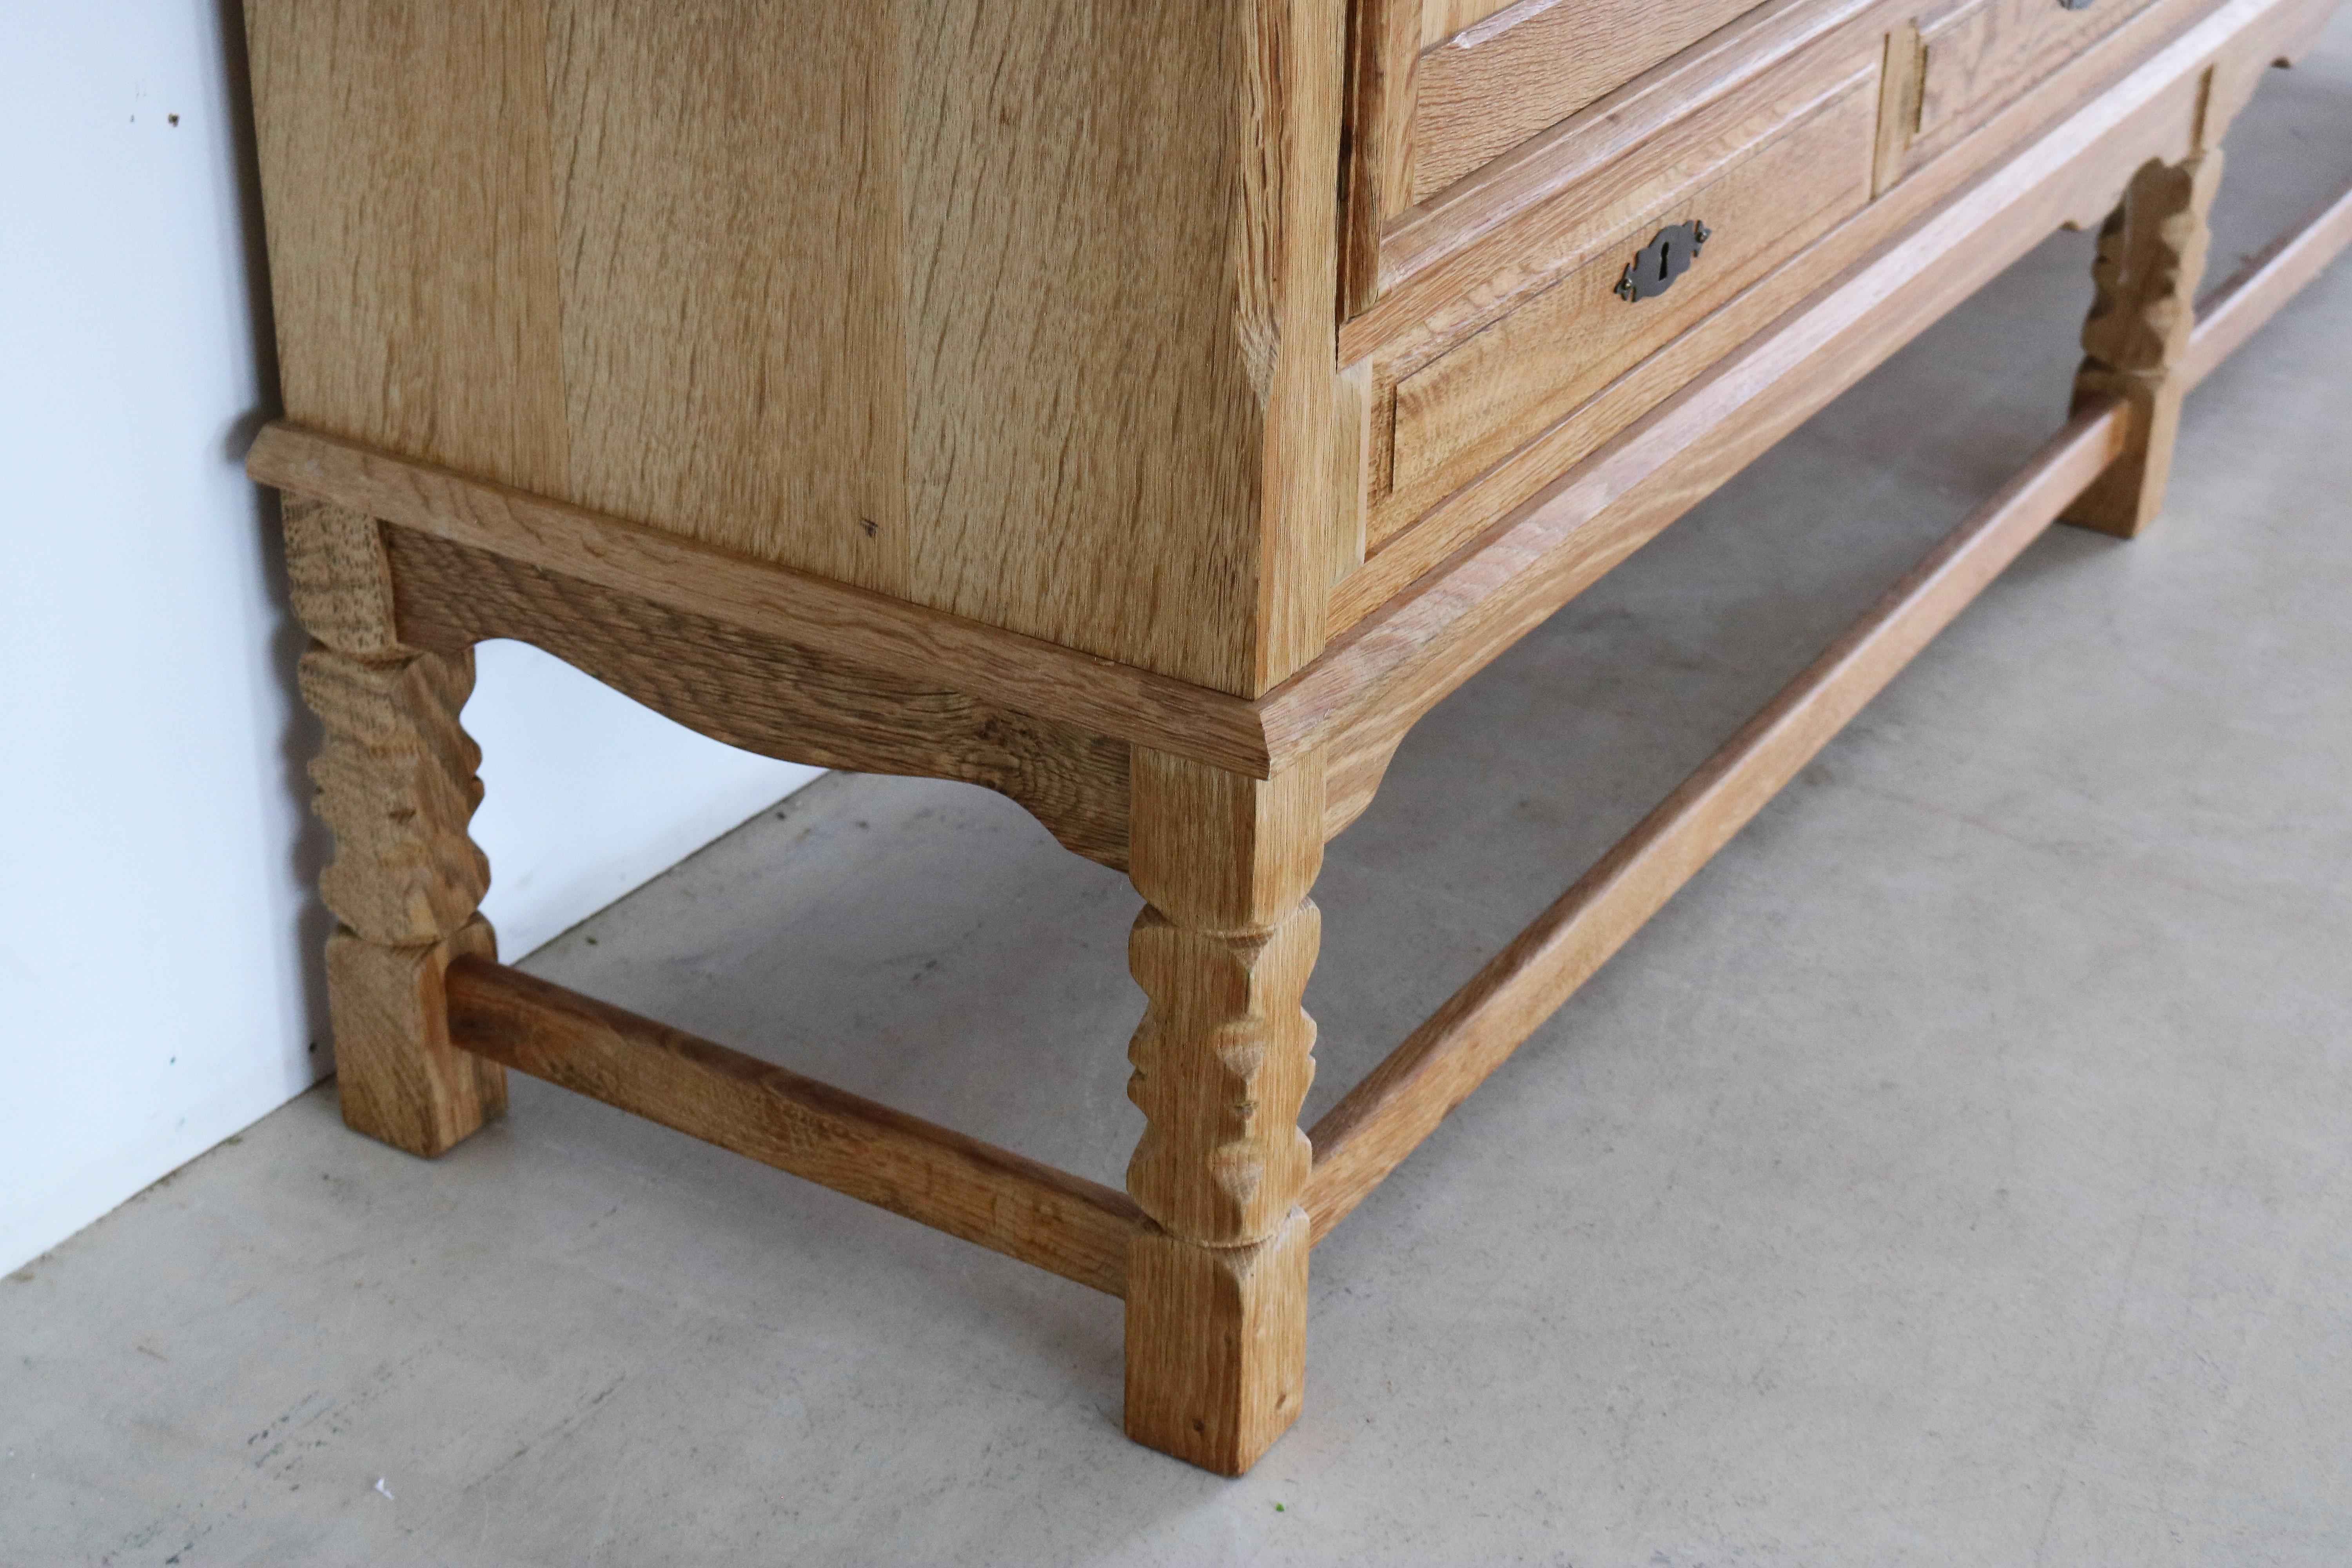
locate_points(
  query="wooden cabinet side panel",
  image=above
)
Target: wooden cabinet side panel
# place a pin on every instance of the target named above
(733, 322)
(1020, 309)
(1121, 232)
(406, 181)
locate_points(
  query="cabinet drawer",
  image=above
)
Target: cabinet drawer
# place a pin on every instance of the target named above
(1976, 55)
(1526, 67)
(1496, 390)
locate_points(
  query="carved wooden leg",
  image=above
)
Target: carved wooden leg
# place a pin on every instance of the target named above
(2151, 254)
(1216, 1294)
(395, 782)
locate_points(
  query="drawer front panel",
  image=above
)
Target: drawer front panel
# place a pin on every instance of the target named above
(1981, 55)
(1496, 390)
(1524, 70)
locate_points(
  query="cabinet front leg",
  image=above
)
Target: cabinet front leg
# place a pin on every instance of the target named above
(395, 784)
(1216, 1298)
(2151, 255)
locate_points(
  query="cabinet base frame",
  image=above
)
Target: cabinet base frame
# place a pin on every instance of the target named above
(912, 691)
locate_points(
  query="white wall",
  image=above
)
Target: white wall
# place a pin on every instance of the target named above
(158, 984)
(585, 795)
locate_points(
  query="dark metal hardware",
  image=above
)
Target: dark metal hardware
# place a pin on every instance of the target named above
(1664, 260)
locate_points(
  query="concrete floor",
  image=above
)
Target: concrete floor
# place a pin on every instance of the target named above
(1955, 1172)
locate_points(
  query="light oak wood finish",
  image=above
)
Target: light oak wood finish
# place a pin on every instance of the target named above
(1216, 1345)
(1453, 264)
(1383, 54)
(396, 786)
(407, 173)
(2144, 342)
(1401, 1102)
(1039, 394)
(1491, 393)
(1216, 1313)
(2151, 259)
(1976, 55)
(764, 694)
(398, 1076)
(1386, 1116)
(1898, 106)
(2237, 310)
(1413, 545)
(1022, 673)
(1362, 695)
(1491, 86)
(968, 303)
(1441, 19)
(1791, 132)
(1062, 1223)
(1355, 450)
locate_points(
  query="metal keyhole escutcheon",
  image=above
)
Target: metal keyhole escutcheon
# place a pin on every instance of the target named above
(1663, 260)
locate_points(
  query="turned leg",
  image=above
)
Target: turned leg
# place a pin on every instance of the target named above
(1216, 1291)
(396, 784)
(2151, 254)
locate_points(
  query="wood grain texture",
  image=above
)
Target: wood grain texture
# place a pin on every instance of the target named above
(1020, 673)
(2239, 307)
(1505, 254)
(766, 695)
(1487, 90)
(1121, 284)
(732, 235)
(1585, 364)
(395, 784)
(1216, 1345)
(1408, 552)
(398, 1079)
(1396, 663)
(1978, 54)
(1441, 19)
(1217, 1301)
(339, 578)
(1383, 56)
(1462, 411)
(1061, 1223)
(1354, 455)
(395, 772)
(1507, 221)
(1223, 949)
(1378, 1122)
(2233, 312)
(2150, 260)
(1020, 309)
(1386, 1116)
(1898, 105)
(408, 183)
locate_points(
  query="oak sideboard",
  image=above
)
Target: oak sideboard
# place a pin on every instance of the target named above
(1147, 409)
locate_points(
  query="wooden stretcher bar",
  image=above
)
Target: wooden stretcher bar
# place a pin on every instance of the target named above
(1083, 1230)
(1064, 1224)
(2237, 310)
(1401, 1102)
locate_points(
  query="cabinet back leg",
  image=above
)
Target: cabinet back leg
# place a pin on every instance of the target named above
(396, 786)
(2151, 255)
